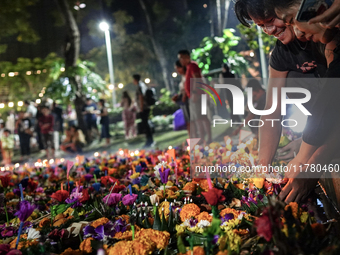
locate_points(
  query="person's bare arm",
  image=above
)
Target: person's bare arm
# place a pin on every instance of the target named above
(330, 18)
(270, 133)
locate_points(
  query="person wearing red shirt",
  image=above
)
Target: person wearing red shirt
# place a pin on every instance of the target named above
(198, 122)
(46, 123)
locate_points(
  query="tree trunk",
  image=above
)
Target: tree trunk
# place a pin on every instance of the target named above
(219, 17)
(157, 48)
(226, 14)
(72, 47)
(212, 27)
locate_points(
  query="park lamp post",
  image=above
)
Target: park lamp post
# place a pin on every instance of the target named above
(105, 27)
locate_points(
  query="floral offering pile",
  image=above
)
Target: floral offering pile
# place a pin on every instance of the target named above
(148, 203)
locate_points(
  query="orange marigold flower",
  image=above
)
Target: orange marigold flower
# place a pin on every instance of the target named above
(295, 209)
(190, 186)
(99, 222)
(204, 184)
(319, 230)
(69, 251)
(230, 210)
(86, 245)
(124, 217)
(198, 250)
(9, 195)
(188, 211)
(241, 232)
(222, 253)
(160, 238)
(204, 216)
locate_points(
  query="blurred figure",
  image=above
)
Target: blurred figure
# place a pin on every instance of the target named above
(37, 129)
(31, 111)
(74, 140)
(71, 116)
(227, 74)
(89, 111)
(199, 122)
(78, 139)
(259, 102)
(58, 111)
(25, 131)
(7, 146)
(104, 121)
(10, 122)
(129, 116)
(46, 124)
(56, 130)
(144, 108)
(178, 97)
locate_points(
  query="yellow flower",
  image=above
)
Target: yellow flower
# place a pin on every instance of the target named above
(180, 229)
(166, 206)
(295, 209)
(135, 186)
(304, 217)
(190, 186)
(134, 176)
(68, 212)
(169, 183)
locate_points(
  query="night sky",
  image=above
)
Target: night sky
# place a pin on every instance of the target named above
(52, 37)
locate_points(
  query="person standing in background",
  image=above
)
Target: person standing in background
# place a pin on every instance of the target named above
(10, 122)
(89, 111)
(129, 116)
(37, 129)
(198, 123)
(58, 111)
(25, 131)
(178, 97)
(104, 121)
(71, 116)
(7, 146)
(144, 108)
(46, 124)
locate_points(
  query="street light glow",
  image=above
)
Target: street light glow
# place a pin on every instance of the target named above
(104, 26)
(174, 74)
(147, 80)
(111, 87)
(120, 85)
(10, 104)
(38, 101)
(2, 105)
(20, 103)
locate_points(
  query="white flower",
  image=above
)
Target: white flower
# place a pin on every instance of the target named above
(203, 224)
(33, 234)
(186, 223)
(154, 199)
(240, 217)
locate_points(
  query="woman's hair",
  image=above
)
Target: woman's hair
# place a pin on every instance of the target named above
(258, 9)
(281, 5)
(102, 101)
(178, 64)
(127, 96)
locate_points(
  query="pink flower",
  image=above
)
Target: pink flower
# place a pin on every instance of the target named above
(129, 199)
(113, 199)
(263, 227)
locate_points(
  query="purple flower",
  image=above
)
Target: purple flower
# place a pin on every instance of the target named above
(129, 199)
(8, 232)
(16, 191)
(107, 230)
(39, 190)
(164, 175)
(88, 177)
(4, 248)
(193, 222)
(136, 181)
(112, 199)
(24, 210)
(215, 240)
(228, 217)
